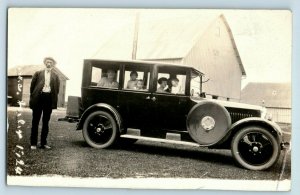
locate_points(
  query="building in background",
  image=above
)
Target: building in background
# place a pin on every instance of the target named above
(209, 47)
(27, 72)
(276, 97)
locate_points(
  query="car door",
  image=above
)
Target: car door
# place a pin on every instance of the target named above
(171, 111)
(171, 107)
(135, 105)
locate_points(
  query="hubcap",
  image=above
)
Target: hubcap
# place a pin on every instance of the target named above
(255, 148)
(208, 123)
(100, 129)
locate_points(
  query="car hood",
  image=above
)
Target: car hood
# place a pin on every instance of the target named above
(229, 104)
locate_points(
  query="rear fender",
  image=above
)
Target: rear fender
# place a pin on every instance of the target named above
(104, 107)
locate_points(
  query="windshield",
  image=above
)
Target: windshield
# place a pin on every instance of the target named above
(195, 84)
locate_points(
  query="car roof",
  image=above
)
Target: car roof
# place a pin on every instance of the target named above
(150, 63)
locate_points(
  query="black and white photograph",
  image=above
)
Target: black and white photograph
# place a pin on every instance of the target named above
(149, 98)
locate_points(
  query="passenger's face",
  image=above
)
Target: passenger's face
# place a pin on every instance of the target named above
(174, 83)
(139, 85)
(164, 84)
(111, 74)
(133, 77)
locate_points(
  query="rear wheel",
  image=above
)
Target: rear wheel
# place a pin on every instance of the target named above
(255, 148)
(100, 130)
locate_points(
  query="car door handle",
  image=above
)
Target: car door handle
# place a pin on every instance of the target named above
(153, 98)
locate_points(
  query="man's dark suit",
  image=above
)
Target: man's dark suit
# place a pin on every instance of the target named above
(41, 102)
(37, 84)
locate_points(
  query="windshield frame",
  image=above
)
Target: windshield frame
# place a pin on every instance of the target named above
(199, 74)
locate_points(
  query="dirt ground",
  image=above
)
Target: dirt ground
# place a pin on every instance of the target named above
(71, 156)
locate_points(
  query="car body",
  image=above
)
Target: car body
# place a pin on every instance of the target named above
(112, 107)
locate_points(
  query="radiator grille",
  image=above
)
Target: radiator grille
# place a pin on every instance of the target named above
(238, 114)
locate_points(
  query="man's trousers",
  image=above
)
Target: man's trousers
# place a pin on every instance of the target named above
(44, 107)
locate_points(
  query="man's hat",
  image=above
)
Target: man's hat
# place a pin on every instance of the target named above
(174, 79)
(49, 58)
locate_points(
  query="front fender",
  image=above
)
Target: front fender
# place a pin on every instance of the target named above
(269, 125)
(104, 107)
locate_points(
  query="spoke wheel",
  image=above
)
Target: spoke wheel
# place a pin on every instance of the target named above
(100, 130)
(255, 148)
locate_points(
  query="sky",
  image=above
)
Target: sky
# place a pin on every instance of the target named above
(263, 38)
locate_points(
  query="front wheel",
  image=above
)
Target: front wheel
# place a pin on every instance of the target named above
(100, 130)
(255, 148)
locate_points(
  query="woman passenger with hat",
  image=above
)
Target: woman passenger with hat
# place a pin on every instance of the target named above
(163, 82)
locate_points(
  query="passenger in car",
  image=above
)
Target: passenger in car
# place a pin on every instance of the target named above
(131, 84)
(139, 85)
(173, 86)
(109, 81)
(163, 81)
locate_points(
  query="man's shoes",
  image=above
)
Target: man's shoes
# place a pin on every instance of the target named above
(33, 147)
(45, 147)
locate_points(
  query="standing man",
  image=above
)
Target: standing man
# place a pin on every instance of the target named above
(44, 89)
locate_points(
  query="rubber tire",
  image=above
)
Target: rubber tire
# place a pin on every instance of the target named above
(113, 138)
(239, 159)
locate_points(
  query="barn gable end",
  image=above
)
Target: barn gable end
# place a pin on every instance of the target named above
(215, 54)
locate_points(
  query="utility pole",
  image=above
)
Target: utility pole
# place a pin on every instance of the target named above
(135, 37)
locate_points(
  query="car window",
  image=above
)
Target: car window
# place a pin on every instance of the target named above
(136, 78)
(195, 84)
(105, 77)
(169, 81)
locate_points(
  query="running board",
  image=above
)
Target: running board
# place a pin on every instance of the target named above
(152, 139)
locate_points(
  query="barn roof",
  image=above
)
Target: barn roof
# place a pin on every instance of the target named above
(167, 38)
(234, 45)
(277, 95)
(29, 70)
(172, 38)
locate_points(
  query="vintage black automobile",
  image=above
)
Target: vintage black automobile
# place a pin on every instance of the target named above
(165, 103)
